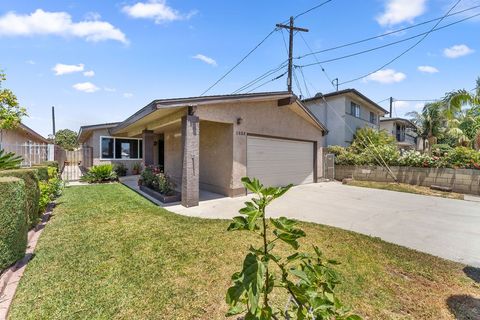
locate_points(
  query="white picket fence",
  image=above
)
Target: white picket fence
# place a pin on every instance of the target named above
(31, 153)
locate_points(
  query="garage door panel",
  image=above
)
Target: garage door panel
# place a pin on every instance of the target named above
(280, 162)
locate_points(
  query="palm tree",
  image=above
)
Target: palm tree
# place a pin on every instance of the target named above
(429, 123)
(463, 125)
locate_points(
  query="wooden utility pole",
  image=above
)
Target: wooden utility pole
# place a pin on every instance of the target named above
(291, 29)
(391, 106)
(53, 120)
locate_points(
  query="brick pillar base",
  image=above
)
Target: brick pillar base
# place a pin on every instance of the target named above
(190, 168)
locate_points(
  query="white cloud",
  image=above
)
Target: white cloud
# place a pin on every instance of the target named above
(127, 95)
(89, 73)
(457, 51)
(428, 69)
(205, 59)
(58, 23)
(87, 87)
(30, 62)
(386, 76)
(399, 11)
(156, 10)
(61, 69)
(109, 89)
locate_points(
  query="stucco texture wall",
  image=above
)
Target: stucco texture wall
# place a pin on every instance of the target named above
(260, 118)
(460, 180)
(17, 136)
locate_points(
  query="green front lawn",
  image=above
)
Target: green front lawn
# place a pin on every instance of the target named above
(108, 253)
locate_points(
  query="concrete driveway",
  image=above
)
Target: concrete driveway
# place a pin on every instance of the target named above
(443, 227)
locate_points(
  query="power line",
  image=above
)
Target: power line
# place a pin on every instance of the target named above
(241, 60)
(386, 34)
(271, 80)
(388, 44)
(405, 51)
(311, 9)
(315, 56)
(261, 77)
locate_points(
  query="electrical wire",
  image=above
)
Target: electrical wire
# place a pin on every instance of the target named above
(405, 51)
(386, 34)
(388, 44)
(271, 80)
(311, 9)
(261, 77)
(238, 63)
(315, 56)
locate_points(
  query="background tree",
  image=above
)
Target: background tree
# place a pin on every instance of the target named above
(66, 138)
(10, 111)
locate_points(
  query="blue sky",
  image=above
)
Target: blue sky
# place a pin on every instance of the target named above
(100, 61)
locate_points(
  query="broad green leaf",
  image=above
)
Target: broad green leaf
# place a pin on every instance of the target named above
(234, 293)
(253, 275)
(353, 317)
(283, 223)
(234, 310)
(299, 273)
(238, 223)
(252, 184)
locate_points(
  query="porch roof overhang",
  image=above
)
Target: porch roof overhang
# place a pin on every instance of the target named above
(403, 121)
(175, 108)
(85, 131)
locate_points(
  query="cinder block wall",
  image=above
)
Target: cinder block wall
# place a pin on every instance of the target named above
(460, 180)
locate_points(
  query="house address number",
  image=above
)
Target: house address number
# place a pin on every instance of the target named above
(241, 133)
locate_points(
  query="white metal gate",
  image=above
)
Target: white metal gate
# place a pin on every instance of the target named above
(329, 166)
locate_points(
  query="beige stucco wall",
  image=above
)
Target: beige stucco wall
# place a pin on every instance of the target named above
(216, 154)
(173, 153)
(260, 118)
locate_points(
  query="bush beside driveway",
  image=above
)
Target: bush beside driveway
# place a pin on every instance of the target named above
(108, 253)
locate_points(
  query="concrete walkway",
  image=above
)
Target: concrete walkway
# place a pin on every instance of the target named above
(443, 227)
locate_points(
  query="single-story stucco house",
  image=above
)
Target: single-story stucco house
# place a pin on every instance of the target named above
(25, 142)
(210, 143)
(343, 113)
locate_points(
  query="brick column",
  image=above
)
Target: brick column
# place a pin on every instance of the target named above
(148, 139)
(190, 167)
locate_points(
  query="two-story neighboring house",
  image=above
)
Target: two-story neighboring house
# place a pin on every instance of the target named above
(343, 112)
(404, 132)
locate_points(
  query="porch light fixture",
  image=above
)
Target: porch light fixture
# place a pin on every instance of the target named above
(239, 120)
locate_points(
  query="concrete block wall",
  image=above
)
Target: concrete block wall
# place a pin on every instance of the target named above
(460, 180)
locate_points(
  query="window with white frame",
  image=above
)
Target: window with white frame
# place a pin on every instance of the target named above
(355, 109)
(120, 148)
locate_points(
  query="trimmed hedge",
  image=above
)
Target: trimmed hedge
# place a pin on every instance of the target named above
(13, 222)
(42, 172)
(32, 191)
(50, 164)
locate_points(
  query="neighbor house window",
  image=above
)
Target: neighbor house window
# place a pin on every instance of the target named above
(355, 109)
(120, 148)
(373, 118)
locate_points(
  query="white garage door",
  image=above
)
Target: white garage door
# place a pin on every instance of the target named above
(278, 162)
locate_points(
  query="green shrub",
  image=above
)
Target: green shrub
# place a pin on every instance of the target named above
(49, 190)
(120, 169)
(99, 174)
(53, 164)
(13, 221)
(440, 150)
(9, 160)
(366, 137)
(336, 150)
(379, 155)
(32, 191)
(42, 172)
(155, 179)
(462, 157)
